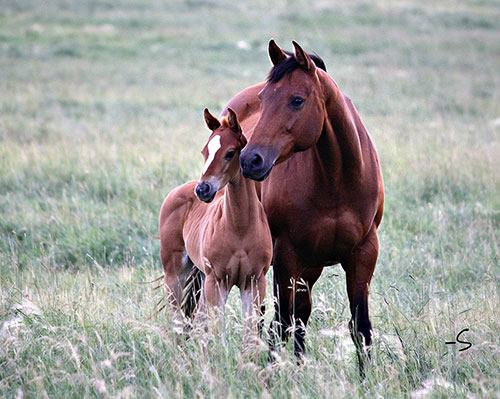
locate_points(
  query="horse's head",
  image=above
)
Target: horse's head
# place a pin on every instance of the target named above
(292, 112)
(221, 154)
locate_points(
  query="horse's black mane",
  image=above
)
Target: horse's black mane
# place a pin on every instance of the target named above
(289, 65)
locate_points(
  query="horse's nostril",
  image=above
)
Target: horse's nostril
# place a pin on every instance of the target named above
(256, 161)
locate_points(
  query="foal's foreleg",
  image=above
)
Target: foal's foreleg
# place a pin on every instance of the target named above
(252, 301)
(359, 269)
(216, 292)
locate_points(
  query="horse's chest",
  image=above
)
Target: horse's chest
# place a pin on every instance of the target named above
(321, 234)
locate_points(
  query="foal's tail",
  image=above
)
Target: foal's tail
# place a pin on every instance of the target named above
(192, 291)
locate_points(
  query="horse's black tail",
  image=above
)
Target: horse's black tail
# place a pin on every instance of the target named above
(192, 291)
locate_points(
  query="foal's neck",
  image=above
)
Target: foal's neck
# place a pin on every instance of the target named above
(241, 203)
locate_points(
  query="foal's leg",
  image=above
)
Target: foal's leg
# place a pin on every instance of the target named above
(252, 299)
(359, 267)
(216, 292)
(176, 266)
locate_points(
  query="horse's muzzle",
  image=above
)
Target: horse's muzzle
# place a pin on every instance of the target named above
(204, 191)
(256, 163)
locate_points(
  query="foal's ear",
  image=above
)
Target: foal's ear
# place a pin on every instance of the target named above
(232, 119)
(276, 54)
(211, 121)
(303, 58)
(234, 125)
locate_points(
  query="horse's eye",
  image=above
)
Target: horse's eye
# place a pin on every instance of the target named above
(229, 155)
(297, 102)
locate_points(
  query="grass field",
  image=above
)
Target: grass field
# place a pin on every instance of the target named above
(101, 116)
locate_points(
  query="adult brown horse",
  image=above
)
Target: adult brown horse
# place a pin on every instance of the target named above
(323, 190)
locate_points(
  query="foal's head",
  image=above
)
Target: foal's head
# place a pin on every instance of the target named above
(292, 112)
(221, 153)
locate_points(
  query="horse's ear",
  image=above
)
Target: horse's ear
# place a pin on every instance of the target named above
(232, 119)
(211, 121)
(276, 54)
(303, 58)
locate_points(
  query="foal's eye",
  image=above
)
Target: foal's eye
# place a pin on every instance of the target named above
(297, 102)
(229, 155)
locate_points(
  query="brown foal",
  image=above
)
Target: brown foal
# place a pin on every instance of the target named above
(226, 234)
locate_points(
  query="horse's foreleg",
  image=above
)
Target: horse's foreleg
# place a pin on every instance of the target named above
(279, 329)
(292, 290)
(302, 306)
(359, 267)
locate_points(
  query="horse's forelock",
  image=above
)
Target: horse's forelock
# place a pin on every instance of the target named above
(289, 65)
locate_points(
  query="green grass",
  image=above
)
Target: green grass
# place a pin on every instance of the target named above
(101, 116)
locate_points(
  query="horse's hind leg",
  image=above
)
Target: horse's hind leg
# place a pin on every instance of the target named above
(359, 269)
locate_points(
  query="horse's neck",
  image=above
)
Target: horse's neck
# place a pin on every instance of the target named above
(340, 133)
(241, 204)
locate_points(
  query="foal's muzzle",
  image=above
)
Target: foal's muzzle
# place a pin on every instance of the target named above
(256, 163)
(205, 191)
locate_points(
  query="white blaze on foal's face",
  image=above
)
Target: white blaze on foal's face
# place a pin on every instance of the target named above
(213, 146)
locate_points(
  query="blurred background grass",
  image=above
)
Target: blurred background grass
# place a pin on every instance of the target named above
(101, 116)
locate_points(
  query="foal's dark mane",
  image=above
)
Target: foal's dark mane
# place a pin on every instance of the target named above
(289, 65)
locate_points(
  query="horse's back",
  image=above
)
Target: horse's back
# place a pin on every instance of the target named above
(246, 104)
